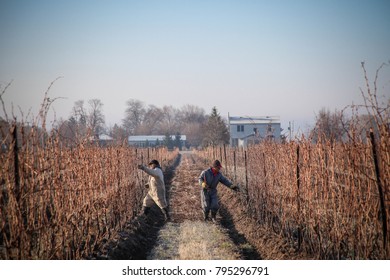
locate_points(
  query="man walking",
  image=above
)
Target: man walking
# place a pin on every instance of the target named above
(209, 180)
(156, 193)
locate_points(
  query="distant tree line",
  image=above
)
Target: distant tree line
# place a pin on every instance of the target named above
(336, 126)
(87, 120)
(201, 129)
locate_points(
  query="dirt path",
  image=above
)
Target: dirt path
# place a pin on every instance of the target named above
(184, 192)
(235, 235)
(187, 236)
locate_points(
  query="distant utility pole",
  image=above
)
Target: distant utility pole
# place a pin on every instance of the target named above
(291, 129)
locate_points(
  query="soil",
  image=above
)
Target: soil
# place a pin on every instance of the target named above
(141, 237)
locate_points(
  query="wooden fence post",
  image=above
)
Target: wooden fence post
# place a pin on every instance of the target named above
(380, 190)
(234, 166)
(226, 164)
(298, 201)
(246, 172)
(16, 162)
(118, 174)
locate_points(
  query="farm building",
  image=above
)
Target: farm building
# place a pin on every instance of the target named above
(152, 140)
(247, 130)
(102, 140)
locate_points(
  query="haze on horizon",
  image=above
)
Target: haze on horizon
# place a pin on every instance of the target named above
(250, 58)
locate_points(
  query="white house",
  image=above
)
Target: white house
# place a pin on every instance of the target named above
(246, 130)
(151, 140)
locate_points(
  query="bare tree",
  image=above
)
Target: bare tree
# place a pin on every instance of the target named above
(118, 133)
(192, 114)
(191, 121)
(193, 132)
(79, 113)
(380, 111)
(169, 123)
(329, 126)
(152, 121)
(134, 115)
(68, 131)
(77, 122)
(95, 116)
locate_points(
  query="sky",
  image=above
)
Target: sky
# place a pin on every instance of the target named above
(246, 57)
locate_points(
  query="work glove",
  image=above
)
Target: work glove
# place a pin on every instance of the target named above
(235, 188)
(204, 185)
(140, 166)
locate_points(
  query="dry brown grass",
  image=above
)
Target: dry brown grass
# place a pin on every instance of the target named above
(193, 240)
(334, 212)
(59, 202)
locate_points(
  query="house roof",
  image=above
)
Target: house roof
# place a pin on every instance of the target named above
(105, 137)
(102, 137)
(254, 120)
(141, 138)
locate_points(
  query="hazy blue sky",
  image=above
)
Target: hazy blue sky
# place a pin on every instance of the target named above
(286, 58)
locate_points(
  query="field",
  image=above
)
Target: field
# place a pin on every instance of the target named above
(63, 202)
(327, 199)
(297, 200)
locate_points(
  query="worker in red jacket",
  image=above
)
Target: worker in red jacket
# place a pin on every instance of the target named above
(209, 180)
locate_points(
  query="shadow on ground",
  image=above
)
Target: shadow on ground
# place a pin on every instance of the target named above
(138, 237)
(248, 252)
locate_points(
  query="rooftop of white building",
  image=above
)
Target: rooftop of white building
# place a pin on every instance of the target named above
(254, 119)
